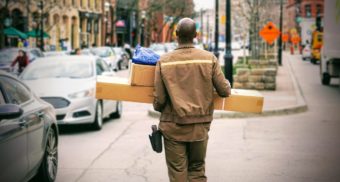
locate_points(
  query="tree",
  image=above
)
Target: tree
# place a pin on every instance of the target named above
(256, 13)
(172, 11)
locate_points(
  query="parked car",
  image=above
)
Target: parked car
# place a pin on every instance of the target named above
(55, 53)
(87, 52)
(69, 84)
(159, 49)
(122, 58)
(306, 53)
(171, 46)
(28, 134)
(235, 45)
(107, 54)
(8, 55)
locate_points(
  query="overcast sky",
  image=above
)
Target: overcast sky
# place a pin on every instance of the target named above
(204, 4)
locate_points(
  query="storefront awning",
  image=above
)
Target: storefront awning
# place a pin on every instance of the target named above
(35, 33)
(13, 32)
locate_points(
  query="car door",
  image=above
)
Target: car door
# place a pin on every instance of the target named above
(108, 105)
(34, 123)
(13, 139)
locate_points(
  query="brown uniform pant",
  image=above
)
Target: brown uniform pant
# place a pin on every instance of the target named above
(186, 160)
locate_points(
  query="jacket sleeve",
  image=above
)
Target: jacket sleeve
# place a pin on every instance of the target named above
(27, 61)
(221, 84)
(159, 93)
(14, 62)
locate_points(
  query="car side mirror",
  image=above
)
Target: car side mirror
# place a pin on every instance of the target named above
(10, 111)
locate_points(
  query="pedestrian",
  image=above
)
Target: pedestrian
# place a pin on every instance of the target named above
(127, 48)
(22, 60)
(26, 43)
(67, 45)
(20, 44)
(185, 80)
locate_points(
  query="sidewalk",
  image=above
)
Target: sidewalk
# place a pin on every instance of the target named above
(286, 99)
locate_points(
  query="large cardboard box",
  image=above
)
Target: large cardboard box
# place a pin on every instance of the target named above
(142, 75)
(120, 89)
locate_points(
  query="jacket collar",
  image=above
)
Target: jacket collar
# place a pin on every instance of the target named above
(185, 46)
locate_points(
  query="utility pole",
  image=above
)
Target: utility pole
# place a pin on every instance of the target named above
(228, 56)
(41, 6)
(280, 38)
(216, 30)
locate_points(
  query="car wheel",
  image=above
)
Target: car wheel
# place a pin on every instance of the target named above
(120, 65)
(98, 121)
(119, 110)
(313, 60)
(49, 166)
(326, 79)
(127, 63)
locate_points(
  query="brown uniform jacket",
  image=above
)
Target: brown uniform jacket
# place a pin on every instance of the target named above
(185, 80)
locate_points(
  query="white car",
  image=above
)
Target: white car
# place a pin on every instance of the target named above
(159, 49)
(107, 54)
(69, 84)
(55, 53)
(306, 53)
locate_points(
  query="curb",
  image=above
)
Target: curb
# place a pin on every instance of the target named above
(300, 107)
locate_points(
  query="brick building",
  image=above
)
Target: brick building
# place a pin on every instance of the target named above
(298, 9)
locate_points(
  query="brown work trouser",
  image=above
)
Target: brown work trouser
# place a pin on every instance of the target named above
(186, 160)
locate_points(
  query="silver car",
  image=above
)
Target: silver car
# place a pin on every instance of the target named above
(69, 84)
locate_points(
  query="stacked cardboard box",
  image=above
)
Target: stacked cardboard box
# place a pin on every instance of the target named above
(139, 89)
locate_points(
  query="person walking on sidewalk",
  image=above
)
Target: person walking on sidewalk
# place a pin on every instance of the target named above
(22, 60)
(185, 80)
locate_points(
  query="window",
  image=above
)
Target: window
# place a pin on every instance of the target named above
(319, 9)
(16, 93)
(308, 11)
(99, 67)
(2, 99)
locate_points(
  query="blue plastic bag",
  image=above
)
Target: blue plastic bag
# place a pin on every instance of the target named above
(144, 56)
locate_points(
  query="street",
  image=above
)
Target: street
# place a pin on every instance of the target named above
(302, 147)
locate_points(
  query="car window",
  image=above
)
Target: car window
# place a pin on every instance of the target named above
(105, 66)
(99, 68)
(16, 93)
(2, 99)
(76, 69)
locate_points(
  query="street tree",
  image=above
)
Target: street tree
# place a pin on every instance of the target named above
(257, 13)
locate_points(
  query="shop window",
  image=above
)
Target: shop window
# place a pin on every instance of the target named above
(319, 9)
(308, 11)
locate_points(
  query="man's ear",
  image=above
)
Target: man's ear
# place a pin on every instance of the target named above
(195, 35)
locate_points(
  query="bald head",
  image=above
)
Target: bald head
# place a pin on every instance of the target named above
(186, 30)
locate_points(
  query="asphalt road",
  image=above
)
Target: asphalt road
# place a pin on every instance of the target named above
(300, 148)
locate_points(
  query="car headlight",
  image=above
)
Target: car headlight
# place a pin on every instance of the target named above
(82, 94)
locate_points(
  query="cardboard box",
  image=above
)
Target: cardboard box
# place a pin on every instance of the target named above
(119, 89)
(142, 75)
(113, 88)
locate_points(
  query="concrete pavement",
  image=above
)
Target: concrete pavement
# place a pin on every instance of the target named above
(303, 147)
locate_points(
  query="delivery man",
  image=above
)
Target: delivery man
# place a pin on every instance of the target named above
(185, 82)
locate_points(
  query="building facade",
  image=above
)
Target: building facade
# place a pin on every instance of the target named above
(69, 23)
(297, 10)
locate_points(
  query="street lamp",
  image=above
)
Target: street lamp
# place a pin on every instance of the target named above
(228, 57)
(280, 38)
(106, 20)
(41, 6)
(143, 16)
(216, 30)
